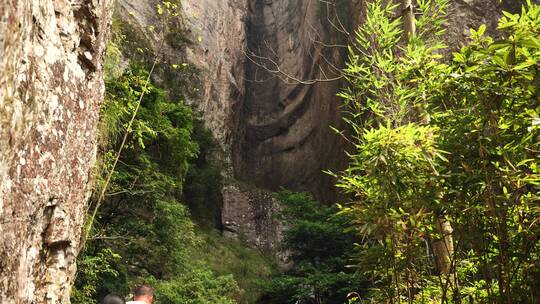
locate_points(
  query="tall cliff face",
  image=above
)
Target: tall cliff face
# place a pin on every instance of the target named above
(50, 90)
(275, 130)
(284, 137)
(215, 38)
(218, 30)
(278, 128)
(273, 133)
(252, 53)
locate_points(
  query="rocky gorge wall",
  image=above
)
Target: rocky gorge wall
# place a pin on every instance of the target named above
(50, 91)
(252, 58)
(274, 130)
(251, 215)
(277, 122)
(284, 137)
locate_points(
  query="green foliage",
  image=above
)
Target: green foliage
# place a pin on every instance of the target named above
(394, 179)
(142, 219)
(91, 271)
(393, 174)
(197, 286)
(454, 140)
(487, 114)
(249, 267)
(113, 61)
(319, 251)
(147, 44)
(143, 231)
(388, 81)
(203, 185)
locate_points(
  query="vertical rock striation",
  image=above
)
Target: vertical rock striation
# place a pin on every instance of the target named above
(218, 29)
(50, 89)
(284, 137)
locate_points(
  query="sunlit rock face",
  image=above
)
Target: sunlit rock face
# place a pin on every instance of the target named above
(218, 29)
(50, 90)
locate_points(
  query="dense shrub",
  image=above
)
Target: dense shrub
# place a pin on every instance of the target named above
(142, 231)
(446, 152)
(319, 248)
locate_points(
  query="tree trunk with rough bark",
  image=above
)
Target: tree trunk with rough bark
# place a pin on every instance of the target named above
(409, 22)
(51, 86)
(443, 249)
